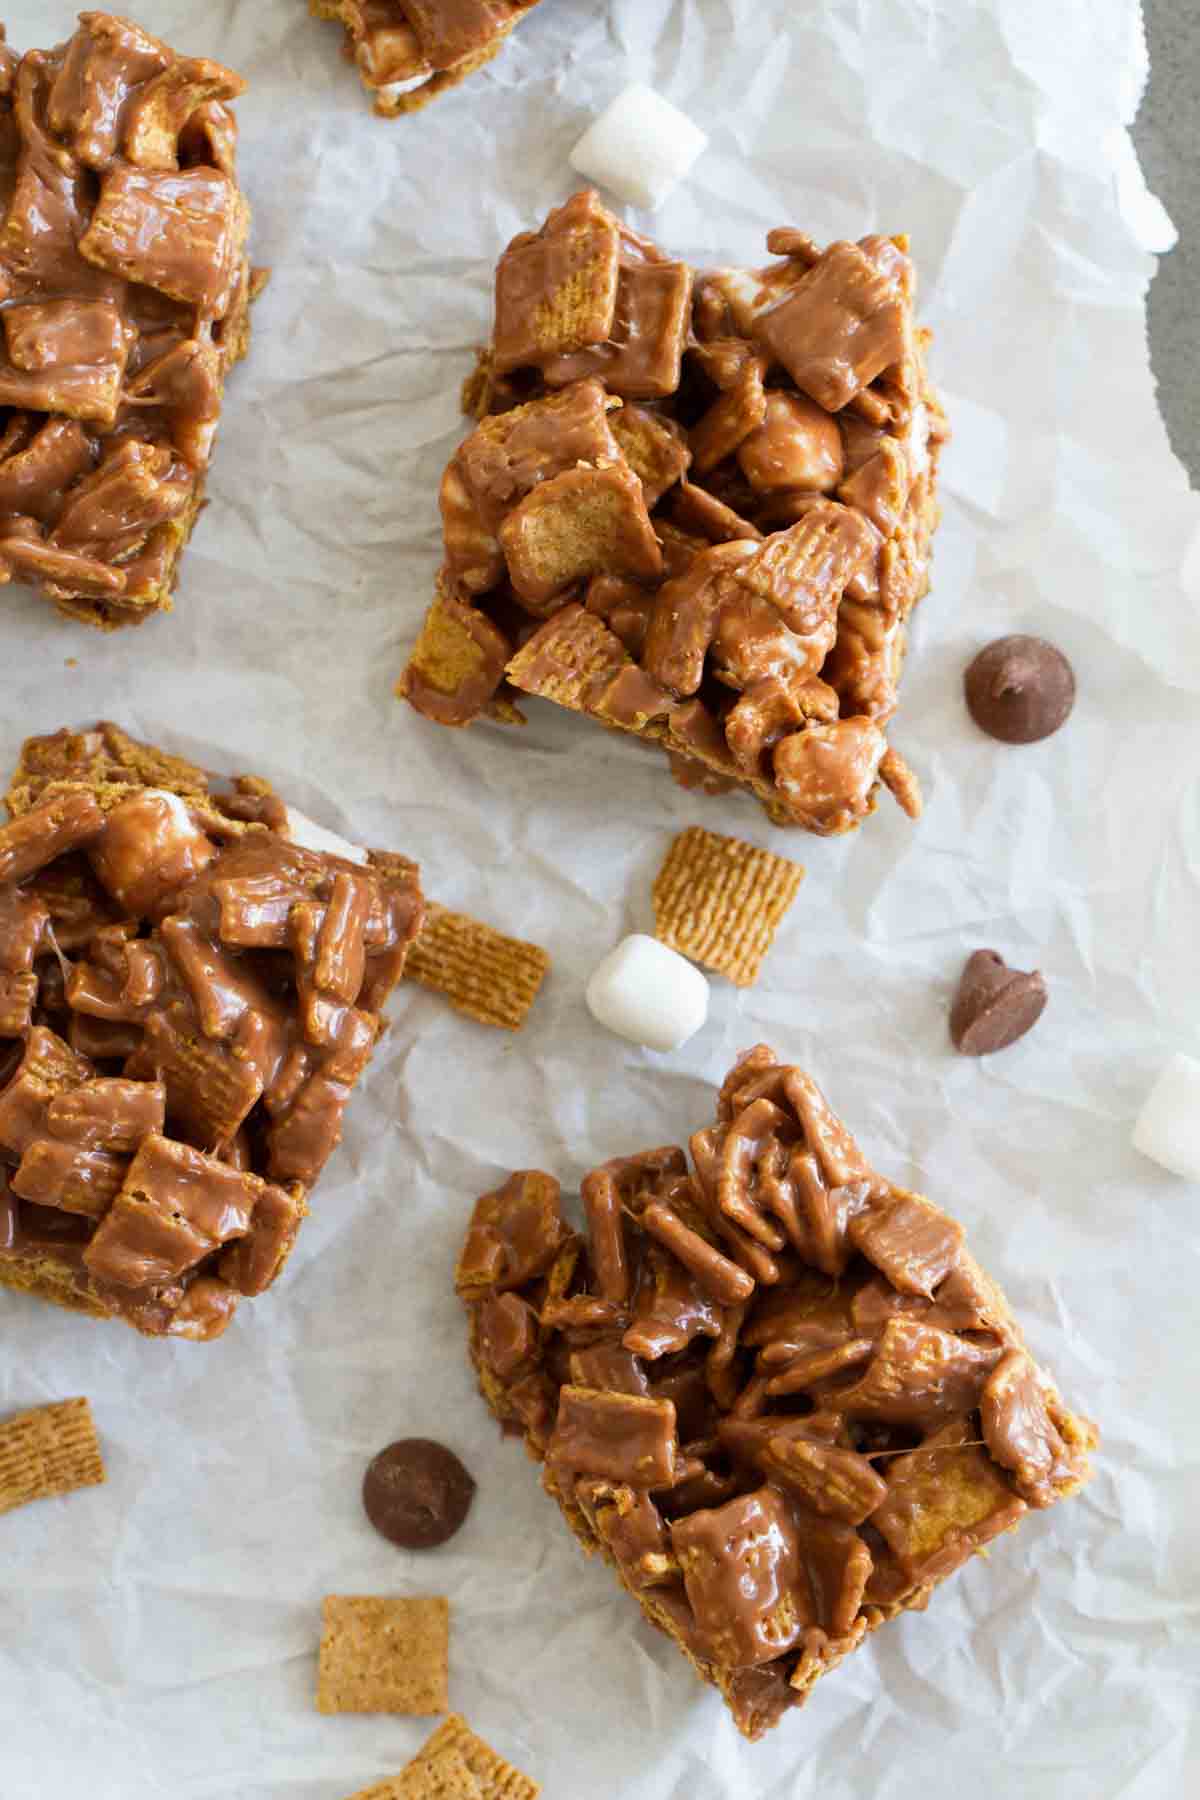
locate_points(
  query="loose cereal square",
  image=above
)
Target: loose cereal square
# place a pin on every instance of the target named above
(445, 1777)
(484, 974)
(383, 1655)
(454, 1742)
(48, 1451)
(721, 901)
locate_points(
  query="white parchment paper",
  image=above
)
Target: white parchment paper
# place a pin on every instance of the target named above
(158, 1636)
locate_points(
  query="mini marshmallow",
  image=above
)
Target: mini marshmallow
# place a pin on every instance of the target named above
(310, 836)
(648, 993)
(639, 148)
(1168, 1126)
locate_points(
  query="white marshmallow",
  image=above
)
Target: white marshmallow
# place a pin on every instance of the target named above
(649, 994)
(389, 91)
(639, 147)
(916, 442)
(310, 836)
(1168, 1126)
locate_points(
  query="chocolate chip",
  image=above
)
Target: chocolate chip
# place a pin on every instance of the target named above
(994, 1005)
(1020, 689)
(417, 1493)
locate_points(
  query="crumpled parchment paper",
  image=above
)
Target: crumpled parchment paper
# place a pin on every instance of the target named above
(158, 1635)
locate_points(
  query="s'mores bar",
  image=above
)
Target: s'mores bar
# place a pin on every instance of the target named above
(698, 506)
(126, 291)
(188, 995)
(409, 51)
(771, 1387)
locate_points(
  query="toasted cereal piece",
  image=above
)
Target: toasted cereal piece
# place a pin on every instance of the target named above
(700, 514)
(583, 522)
(482, 973)
(901, 781)
(182, 232)
(944, 1501)
(737, 412)
(497, 1779)
(656, 449)
(842, 324)
(384, 1655)
(556, 291)
(49, 1450)
(445, 1778)
(49, 1278)
(511, 452)
(644, 356)
(102, 759)
(720, 901)
(516, 1233)
(569, 660)
(458, 662)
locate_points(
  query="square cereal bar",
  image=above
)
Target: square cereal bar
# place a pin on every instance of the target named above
(728, 576)
(127, 302)
(383, 1655)
(189, 990)
(47, 1451)
(410, 51)
(774, 1390)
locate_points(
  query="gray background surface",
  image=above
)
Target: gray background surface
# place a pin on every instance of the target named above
(1166, 134)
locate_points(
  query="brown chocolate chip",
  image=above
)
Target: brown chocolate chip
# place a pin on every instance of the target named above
(994, 1005)
(1020, 689)
(417, 1493)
